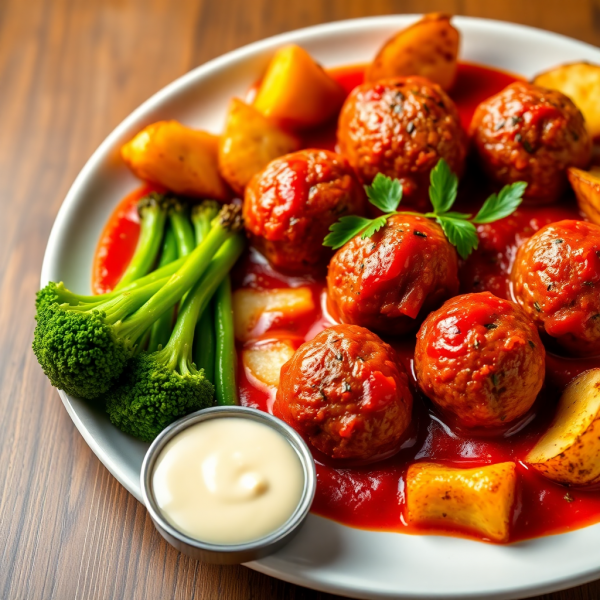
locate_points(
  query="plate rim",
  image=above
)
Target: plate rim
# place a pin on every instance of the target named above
(178, 86)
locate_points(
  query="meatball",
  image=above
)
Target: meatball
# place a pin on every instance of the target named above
(289, 206)
(347, 393)
(480, 358)
(532, 134)
(401, 127)
(556, 279)
(390, 281)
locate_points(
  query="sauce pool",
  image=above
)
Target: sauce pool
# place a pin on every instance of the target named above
(372, 497)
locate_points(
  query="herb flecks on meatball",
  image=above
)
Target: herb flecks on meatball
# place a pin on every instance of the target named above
(556, 279)
(347, 393)
(401, 127)
(480, 359)
(289, 206)
(390, 281)
(532, 134)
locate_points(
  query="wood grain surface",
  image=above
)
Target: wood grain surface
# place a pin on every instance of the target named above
(70, 71)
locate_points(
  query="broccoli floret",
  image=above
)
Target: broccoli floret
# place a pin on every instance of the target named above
(159, 387)
(83, 349)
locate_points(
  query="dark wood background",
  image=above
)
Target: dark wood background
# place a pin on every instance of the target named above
(70, 71)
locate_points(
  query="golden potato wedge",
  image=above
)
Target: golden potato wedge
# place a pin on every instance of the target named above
(478, 500)
(586, 185)
(569, 452)
(249, 143)
(581, 82)
(181, 159)
(428, 48)
(296, 91)
(255, 310)
(265, 359)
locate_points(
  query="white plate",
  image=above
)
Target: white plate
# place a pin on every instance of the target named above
(326, 555)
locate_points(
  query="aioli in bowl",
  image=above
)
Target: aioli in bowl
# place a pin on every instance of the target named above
(228, 481)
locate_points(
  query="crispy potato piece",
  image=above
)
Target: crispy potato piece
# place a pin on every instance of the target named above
(428, 48)
(249, 143)
(581, 82)
(478, 499)
(265, 359)
(569, 452)
(296, 91)
(586, 185)
(181, 159)
(255, 310)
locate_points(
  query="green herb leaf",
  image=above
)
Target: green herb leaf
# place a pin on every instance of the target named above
(375, 225)
(460, 233)
(344, 230)
(500, 205)
(385, 193)
(443, 188)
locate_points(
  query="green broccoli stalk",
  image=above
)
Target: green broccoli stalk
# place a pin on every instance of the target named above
(204, 337)
(83, 349)
(225, 354)
(180, 222)
(160, 387)
(202, 217)
(183, 244)
(57, 292)
(161, 329)
(153, 216)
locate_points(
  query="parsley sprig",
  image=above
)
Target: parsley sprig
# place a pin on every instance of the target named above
(386, 194)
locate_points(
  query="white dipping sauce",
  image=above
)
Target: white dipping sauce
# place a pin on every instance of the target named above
(228, 480)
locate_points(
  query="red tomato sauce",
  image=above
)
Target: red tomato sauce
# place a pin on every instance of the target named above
(373, 496)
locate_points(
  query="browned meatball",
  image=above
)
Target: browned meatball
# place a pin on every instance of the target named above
(556, 279)
(347, 393)
(289, 206)
(401, 127)
(480, 358)
(390, 281)
(532, 134)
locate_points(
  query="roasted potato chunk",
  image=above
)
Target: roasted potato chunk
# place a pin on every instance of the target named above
(249, 143)
(479, 500)
(586, 185)
(181, 159)
(569, 452)
(581, 82)
(296, 91)
(428, 48)
(264, 360)
(255, 310)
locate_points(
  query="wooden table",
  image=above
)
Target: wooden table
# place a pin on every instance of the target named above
(70, 71)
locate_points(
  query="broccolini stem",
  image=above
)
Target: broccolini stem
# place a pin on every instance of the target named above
(182, 338)
(226, 358)
(202, 217)
(228, 223)
(180, 222)
(153, 214)
(161, 329)
(204, 343)
(120, 307)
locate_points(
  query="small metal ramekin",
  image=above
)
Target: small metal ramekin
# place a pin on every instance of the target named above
(228, 554)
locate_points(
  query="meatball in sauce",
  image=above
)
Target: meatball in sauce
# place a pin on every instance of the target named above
(390, 281)
(556, 279)
(289, 206)
(532, 134)
(480, 358)
(401, 127)
(347, 393)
